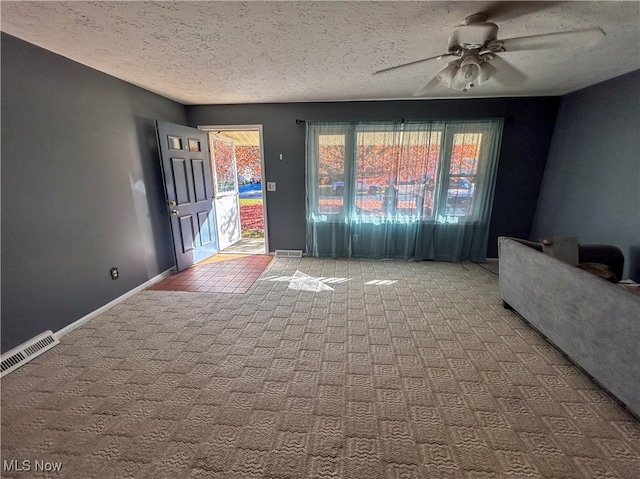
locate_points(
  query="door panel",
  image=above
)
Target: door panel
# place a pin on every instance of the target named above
(227, 218)
(227, 198)
(206, 229)
(186, 233)
(186, 170)
(199, 181)
(178, 168)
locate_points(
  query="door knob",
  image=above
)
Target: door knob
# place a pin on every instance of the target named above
(172, 203)
(175, 212)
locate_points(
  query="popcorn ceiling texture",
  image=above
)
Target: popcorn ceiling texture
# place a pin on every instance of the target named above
(424, 377)
(255, 52)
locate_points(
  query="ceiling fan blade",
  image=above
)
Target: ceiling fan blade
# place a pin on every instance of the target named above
(437, 57)
(423, 90)
(548, 40)
(502, 11)
(506, 74)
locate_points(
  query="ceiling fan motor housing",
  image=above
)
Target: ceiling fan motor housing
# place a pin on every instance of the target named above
(472, 36)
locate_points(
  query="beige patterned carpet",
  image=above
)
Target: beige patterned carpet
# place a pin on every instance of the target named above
(403, 370)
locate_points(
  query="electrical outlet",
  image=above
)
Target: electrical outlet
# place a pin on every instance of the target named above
(115, 274)
(271, 186)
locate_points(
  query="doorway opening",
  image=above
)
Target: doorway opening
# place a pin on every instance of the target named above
(249, 165)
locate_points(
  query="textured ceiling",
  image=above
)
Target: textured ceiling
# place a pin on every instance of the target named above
(255, 52)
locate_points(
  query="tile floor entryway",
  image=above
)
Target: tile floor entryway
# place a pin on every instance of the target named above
(222, 273)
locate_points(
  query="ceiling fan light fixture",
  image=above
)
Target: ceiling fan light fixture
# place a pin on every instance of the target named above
(469, 68)
(448, 73)
(466, 73)
(486, 72)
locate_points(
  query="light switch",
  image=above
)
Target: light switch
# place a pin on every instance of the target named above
(271, 186)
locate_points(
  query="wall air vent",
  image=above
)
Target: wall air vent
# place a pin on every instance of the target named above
(288, 253)
(27, 351)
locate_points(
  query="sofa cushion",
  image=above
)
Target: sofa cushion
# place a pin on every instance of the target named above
(602, 270)
(610, 255)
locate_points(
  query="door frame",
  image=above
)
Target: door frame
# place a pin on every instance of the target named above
(215, 128)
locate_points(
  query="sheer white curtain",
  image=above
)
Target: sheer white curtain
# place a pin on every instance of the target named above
(395, 189)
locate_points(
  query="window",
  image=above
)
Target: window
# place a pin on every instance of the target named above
(224, 167)
(423, 171)
(399, 173)
(331, 150)
(392, 172)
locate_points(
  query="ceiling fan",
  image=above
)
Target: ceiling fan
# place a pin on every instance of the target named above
(476, 46)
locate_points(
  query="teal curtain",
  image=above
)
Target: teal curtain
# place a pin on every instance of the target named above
(401, 189)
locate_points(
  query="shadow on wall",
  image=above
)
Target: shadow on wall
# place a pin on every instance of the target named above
(155, 212)
(634, 263)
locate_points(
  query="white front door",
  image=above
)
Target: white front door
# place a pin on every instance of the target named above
(226, 197)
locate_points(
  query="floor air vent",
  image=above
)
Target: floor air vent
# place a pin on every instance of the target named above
(288, 253)
(27, 351)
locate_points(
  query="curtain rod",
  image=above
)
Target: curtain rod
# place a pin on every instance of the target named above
(507, 118)
(299, 122)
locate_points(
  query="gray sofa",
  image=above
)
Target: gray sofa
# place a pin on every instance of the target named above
(594, 322)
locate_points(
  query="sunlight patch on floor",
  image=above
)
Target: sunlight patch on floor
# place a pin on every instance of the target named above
(304, 282)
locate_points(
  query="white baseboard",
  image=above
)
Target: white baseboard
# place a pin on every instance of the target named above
(111, 304)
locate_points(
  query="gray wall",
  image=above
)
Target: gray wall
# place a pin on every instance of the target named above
(81, 189)
(527, 135)
(591, 186)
